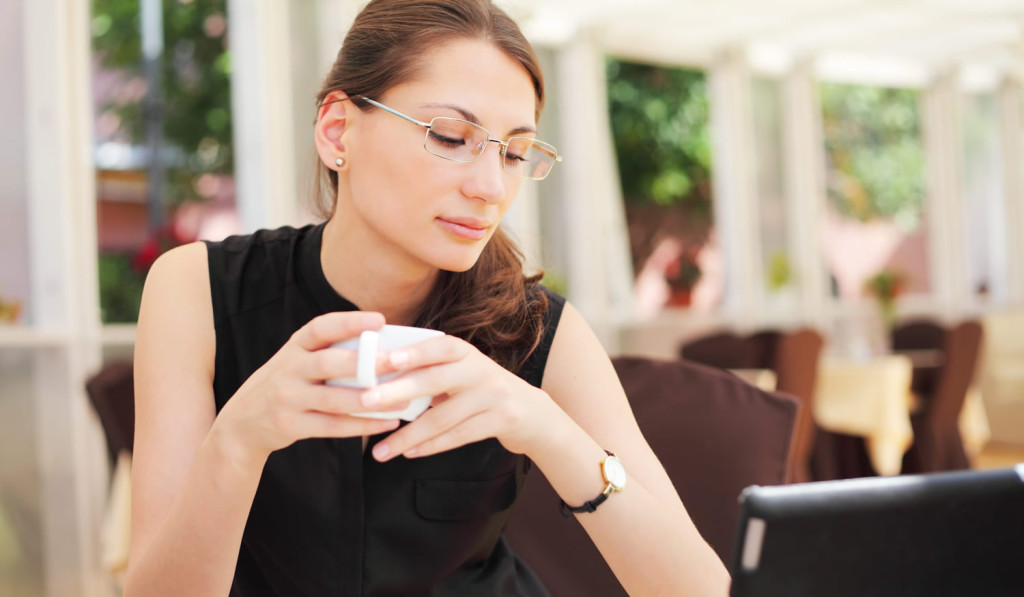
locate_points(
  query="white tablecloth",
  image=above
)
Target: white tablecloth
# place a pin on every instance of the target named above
(871, 398)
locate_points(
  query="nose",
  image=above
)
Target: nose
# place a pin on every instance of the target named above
(485, 179)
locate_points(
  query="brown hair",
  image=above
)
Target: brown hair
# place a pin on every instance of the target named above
(493, 305)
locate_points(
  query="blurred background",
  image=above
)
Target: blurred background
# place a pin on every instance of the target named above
(841, 165)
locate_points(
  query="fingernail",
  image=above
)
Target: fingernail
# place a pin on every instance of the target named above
(370, 398)
(380, 451)
(399, 359)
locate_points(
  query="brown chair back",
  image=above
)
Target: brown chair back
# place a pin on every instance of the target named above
(963, 349)
(713, 433)
(921, 335)
(762, 348)
(937, 442)
(796, 372)
(722, 350)
(112, 394)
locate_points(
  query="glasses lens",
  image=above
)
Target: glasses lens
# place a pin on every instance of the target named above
(529, 158)
(455, 139)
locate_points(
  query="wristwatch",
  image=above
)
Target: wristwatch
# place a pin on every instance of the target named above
(614, 478)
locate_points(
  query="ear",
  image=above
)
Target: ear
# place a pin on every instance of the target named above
(331, 123)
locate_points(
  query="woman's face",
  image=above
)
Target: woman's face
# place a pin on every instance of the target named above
(426, 210)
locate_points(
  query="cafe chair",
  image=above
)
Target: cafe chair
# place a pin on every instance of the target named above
(796, 371)
(937, 443)
(714, 434)
(111, 392)
(723, 350)
(917, 339)
(762, 348)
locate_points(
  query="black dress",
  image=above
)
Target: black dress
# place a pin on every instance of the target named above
(327, 519)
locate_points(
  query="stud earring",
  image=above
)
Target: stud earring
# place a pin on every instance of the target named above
(339, 162)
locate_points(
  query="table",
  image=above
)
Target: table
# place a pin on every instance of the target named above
(762, 379)
(871, 398)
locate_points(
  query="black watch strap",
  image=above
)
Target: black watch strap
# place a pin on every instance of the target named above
(567, 510)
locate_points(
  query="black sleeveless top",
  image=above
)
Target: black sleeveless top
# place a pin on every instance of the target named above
(327, 519)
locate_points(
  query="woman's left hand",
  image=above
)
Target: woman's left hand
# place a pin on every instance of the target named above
(474, 399)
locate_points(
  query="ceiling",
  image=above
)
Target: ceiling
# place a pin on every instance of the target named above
(887, 42)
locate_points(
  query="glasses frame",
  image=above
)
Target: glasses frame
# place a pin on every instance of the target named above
(502, 145)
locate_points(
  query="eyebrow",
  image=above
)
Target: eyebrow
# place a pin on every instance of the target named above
(469, 116)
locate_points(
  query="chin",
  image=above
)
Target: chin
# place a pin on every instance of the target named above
(457, 263)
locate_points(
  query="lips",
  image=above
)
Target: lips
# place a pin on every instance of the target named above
(467, 228)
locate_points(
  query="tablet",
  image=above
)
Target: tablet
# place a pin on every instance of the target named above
(955, 533)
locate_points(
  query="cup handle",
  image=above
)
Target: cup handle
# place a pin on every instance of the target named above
(366, 364)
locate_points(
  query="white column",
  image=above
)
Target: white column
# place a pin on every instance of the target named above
(946, 228)
(334, 17)
(735, 184)
(599, 271)
(804, 167)
(1011, 130)
(262, 112)
(64, 296)
(522, 222)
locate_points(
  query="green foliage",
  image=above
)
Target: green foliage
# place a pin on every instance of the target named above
(555, 282)
(120, 288)
(659, 121)
(874, 152)
(780, 273)
(196, 71)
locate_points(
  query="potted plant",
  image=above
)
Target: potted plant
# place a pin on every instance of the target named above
(10, 311)
(682, 275)
(886, 286)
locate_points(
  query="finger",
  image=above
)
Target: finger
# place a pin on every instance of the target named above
(436, 421)
(333, 327)
(473, 429)
(313, 424)
(336, 363)
(334, 400)
(428, 381)
(434, 351)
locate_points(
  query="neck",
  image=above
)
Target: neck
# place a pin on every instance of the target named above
(374, 278)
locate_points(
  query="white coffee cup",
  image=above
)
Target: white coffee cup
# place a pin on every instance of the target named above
(368, 343)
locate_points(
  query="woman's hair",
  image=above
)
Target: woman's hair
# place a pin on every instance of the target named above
(487, 305)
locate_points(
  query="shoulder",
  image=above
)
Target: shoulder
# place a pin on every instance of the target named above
(577, 357)
(175, 309)
(179, 265)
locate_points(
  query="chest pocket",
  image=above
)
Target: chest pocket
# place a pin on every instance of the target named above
(438, 499)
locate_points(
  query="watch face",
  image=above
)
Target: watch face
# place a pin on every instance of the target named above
(614, 472)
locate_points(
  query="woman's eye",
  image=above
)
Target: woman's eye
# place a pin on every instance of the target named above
(449, 141)
(517, 159)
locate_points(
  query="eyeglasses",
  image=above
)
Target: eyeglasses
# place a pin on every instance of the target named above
(462, 141)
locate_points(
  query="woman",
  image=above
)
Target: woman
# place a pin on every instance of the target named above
(251, 475)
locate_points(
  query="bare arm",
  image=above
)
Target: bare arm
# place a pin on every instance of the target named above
(643, 532)
(195, 473)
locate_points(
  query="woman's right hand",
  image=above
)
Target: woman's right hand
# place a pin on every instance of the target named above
(286, 399)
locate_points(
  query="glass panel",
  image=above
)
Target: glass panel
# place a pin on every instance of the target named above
(983, 192)
(21, 515)
(172, 101)
(15, 280)
(777, 283)
(659, 122)
(875, 214)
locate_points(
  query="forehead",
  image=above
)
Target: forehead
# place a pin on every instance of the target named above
(478, 76)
